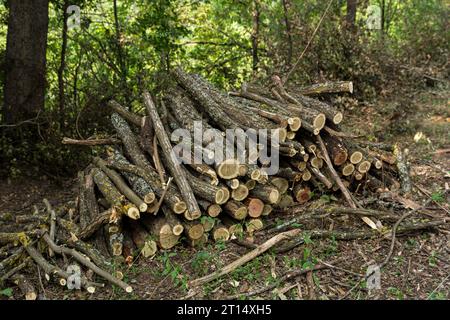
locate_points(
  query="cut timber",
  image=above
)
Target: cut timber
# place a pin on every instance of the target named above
(236, 210)
(142, 188)
(250, 184)
(193, 230)
(266, 193)
(330, 113)
(172, 163)
(214, 194)
(228, 169)
(321, 177)
(25, 286)
(356, 157)
(129, 141)
(161, 230)
(347, 169)
(328, 87)
(302, 193)
(171, 197)
(306, 176)
(255, 207)
(285, 201)
(112, 195)
(364, 166)
(208, 223)
(124, 113)
(212, 209)
(316, 162)
(90, 142)
(294, 123)
(240, 193)
(173, 220)
(289, 174)
(221, 233)
(281, 184)
(235, 227)
(121, 184)
(246, 258)
(233, 183)
(254, 225)
(335, 146)
(141, 239)
(267, 210)
(290, 135)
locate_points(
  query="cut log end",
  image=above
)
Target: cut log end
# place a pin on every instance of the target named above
(214, 210)
(356, 157)
(364, 166)
(221, 234)
(177, 229)
(348, 169)
(167, 239)
(180, 207)
(266, 210)
(228, 169)
(240, 193)
(319, 121)
(133, 212)
(255, 207)
(196, 231)
(338, 117)
(222, 195)
(294, 124)
(143, 207)
(149, 198)
(254, 225)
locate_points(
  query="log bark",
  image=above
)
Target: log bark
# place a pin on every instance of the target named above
(174, 167)
(161, 230)
(121, 184)
(124, 113)
(266, 193)
(328, 87)
(235, 209)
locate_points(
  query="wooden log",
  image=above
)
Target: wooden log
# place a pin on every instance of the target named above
(328, 87)
(173, 166)
(364, 166)
(254, 225)
(208, 223)
(235, 228)
(321, 177)
(94, 225)
(113, 196)
(161, 230)
(336, 148)
(267, 209)
(91, 142)
(266, 193)
(255, 207)
(221, 233)
(198, 243)
(333, 115)
(306, 176)
(51, 270)
(25, 286)
(240, 193)
(130, 142)
(214, 194)
(302, 193)
(250, 184)
(121, 184)
(139, 185)
(142, 240)
(194, 230)
(124, 113)
(198, 92)
(235, 209)
(286, 200)
(280, 183)
(228, 169)
(172, 197)
(173, 221)
(347, 169)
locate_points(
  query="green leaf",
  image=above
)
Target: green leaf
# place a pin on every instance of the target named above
(8, 292)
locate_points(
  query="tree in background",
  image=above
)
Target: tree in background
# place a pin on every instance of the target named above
(25, 63)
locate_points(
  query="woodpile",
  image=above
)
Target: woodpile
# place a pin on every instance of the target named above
(138, 197)
(231, 198)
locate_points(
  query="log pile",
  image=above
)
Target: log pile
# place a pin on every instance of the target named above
(145, 193)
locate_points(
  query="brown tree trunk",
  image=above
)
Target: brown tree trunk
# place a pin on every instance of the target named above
(62, 67)
(25, 60)
(351, 14)
(255, 34)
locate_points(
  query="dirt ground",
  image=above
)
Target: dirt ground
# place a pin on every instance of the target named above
(418, 269)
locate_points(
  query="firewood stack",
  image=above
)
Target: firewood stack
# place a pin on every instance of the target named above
(153, 201)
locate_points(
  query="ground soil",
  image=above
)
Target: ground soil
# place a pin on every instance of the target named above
(418, 269)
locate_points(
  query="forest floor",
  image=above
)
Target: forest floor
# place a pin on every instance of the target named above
(418, 269)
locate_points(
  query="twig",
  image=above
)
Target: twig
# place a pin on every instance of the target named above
(246, 258)
(158, 166)
(163, 195)
(52, 218)
(91, 142)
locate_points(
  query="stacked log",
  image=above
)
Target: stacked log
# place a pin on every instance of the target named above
(220, 198)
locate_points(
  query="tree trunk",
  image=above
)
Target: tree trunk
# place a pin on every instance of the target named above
(351, 14)
(25, 60)
(62, 67)
(255, 34)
